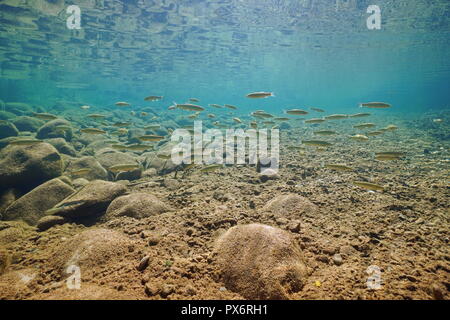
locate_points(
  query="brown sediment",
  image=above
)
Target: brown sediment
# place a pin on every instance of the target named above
(340, 229)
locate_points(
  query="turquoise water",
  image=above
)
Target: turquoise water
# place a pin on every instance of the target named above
(309, 53)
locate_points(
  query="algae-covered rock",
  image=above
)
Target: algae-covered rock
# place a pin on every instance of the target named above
(290, 204)
(96, 171)
(136, 205)
(62, 146)
(90, 201)
(52, 130)
(32, 206)
(260, 262)
(112, 158)
(25, 123)
(46, 222)
(7, 129)
(26, 167)
(91, 249)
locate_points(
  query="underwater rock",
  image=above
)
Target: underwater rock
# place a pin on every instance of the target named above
(6, 198)
(18, 108)
(91, 249)
(26, 167)
(260, 262)
(46, 222)
(5, 115)
(4, 142)
(5, 260)
(96, 170)
(50, 130)
(285, 126)
(136, 205)
(290, 204)
(96, 147)
(268, 174)
(86, 139)
(7, 129)
(13, 231)
(134, 134)
(32, 206)
(90, 201)
(25, 123)
(80, 182)
(62, 146)
(113, 158)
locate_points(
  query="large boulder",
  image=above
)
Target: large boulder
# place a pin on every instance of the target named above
(32, 206)
(260, 262)
(62, 146)
(6, 115)
(90, 201)
(91, 250)
(290, 204)
(19, 108)
(136, 205)
(25, 123)
(110, 157)
(51, 130)
(26, 167)
(96, 171)
(7, 129)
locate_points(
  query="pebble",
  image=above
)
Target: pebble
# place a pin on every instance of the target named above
(337, 259)
(144, 263)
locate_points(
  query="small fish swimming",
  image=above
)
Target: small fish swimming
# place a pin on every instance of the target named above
(230, 106)
(189, 107)
(316, 143)
(281, 119)
(257, 95)
(297, 112)
(96, 116)
(391, 127)
(359, 137)
(317, 109)
(138, 147)
(374, 133)
(85, 107)
(368, 185)
(338, 167)
(359, 115)
(150, 137)
(122, 104)
(63, 128)
(315, 120)
(210, 168)
(237, 120)
(378, 105)
(194, 100)
(122, 124)
(336, 117)
(153, 98)
(80, 172)
(325, 132)
(93, 131)
(218, 106)
(45, 116)
(364, 125)
(25, 142)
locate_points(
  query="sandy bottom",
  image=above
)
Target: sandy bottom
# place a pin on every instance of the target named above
(404, 231)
